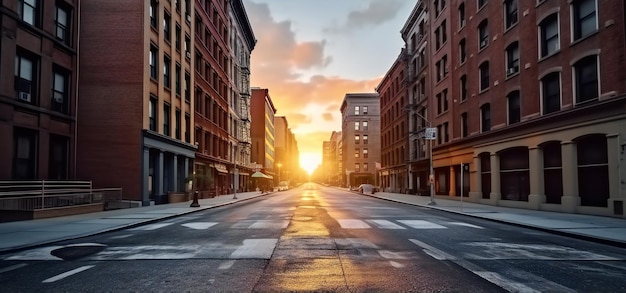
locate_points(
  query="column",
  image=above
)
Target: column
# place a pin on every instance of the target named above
(495, 194)
(476, 187)
(158, 175)
(145, 170)
(570, 200)
(452, 185)
(176, 182)
(537, 193)
(614, 148)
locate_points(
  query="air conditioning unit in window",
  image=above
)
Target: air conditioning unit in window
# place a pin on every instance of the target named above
(483, 43)
(188, 54)
(188, 17)
(511, 70)
(24, 96)
(58, 99)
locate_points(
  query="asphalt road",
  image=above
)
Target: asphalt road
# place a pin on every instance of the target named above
(318, 239)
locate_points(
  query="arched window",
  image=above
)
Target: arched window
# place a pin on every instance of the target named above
(593, 170)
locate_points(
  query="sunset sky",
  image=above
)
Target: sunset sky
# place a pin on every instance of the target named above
(310, 53)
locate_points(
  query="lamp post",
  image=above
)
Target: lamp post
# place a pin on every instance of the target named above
(194, 188)
(236, 174)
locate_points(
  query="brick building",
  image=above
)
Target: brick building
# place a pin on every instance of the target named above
(38, 89)
(262, 112)
(528, 96)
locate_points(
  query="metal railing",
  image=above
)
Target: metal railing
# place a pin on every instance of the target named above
(48, 194)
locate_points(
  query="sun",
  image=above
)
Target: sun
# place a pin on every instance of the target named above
(310, 161)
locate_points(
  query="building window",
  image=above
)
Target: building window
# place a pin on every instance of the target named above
(365, 126)
(551, 91)
(463, 87)
(514, 107)
(357, 153)
(593, 170)
(446, 135)
(58, 157)
(187, 87)
(586, 71)
(552, 172)
(485, 118)
(60, 91)
(177, 124)
(512, 59)
(549, 35)
(444, 34)
(483, 34)
(445, 99)
(439, 103)
(166, 119)
(25, 73)
(62, 21)
(462, 51)
(365, 110)
(365, 167)
(177, 40)
(24, 154)
(152, 112)
(439, 136)
(464, 131)
(357, 139)
(481, 3)
(154, 12)
(187, 46)
(485, 174)
(154, 53)
(462, 15)
(357, 167)
(483, 72)
(365, 154)
(514, 174)
(510, 13)
(356, 125)
(365, 139)
(177, 79)
(357, 109)
(166, 27)
(29, 11)
(584, 18)
(167, 82)
(187, 128)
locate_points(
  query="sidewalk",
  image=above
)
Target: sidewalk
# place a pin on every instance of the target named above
(27, 234)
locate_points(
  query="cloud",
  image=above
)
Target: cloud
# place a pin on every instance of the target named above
(376, 13)
(327, 116)
(312, 142)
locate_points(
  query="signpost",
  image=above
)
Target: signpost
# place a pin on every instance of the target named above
(430, 134)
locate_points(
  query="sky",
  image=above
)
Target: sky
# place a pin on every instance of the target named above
(310, 53)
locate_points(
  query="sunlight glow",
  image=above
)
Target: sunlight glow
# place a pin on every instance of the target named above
(310, 161)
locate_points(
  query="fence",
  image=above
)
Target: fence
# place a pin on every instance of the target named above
(47, 194)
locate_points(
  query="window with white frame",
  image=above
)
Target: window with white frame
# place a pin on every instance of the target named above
(549, 35)
(365, 139)
(551, 92)
(60, 91)
(25, 77)
(357, 167)
(154, 13)
(356, 125)
(512, 59)
(510, 13)
(584, 18)
(461, 15)
(167, 32)
(483, 73)
(62, 22)
(357, 110)
(357, 139)
(365, 110)
(483, 34)
(365, 153)
(365, 126)
(586, 78)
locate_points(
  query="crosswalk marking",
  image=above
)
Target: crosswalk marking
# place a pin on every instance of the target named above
(465, 225)
(255, 248)
(353, 224)
(269, 224)
(199, 225)
(151, 227)
(421, 224)
(385, 224)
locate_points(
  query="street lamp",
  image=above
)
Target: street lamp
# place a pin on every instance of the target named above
(236, 171)
(194, 188)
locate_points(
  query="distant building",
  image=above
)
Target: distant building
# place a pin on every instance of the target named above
(360, 131)
(526, 118)
(262, 112)
(331, 160)
(286, 151)
(38, 90)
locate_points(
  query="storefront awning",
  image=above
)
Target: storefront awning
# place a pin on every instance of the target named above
(261, 175)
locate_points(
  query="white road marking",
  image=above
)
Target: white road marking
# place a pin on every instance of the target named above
(396, 264)
(384, 224)
(255, 248)
(499, 250)
(227, 264)
(420, 224)
(150, 227)
(352, 243)
(540, 284)
(13, 267)
(43, 253)
(269, 224)
(465, 225)
(353, 224)
(67, 274)
(199, 225)
(391, 255)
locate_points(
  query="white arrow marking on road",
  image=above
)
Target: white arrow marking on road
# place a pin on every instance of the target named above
(353, 224)
(199, 225)
(67, 274)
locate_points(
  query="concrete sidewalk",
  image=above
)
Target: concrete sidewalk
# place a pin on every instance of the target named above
(26, 234)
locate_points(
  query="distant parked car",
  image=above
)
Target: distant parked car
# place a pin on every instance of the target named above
(283, 185)
(367, 188)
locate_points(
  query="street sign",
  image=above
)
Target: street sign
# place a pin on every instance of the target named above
(430, 133)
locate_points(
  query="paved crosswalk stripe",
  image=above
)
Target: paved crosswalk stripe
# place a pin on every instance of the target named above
(199, 225)
(465, 225)
(353, 224)
(150, 227)
(421, 224)
(255, 248)
(227, 264)
(269, 224)
(67, 274)
(384, 224)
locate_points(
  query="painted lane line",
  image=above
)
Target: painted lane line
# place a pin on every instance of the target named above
(420, 224)
(199, 225)
(122, 236)
(465, 225)
(67, 274)
(13, 267)
(150, 227)
(385, 224)
(353, 224)
(255, 248)
(396, 264)
(227, 264)
(269, 224)
(540, 284)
